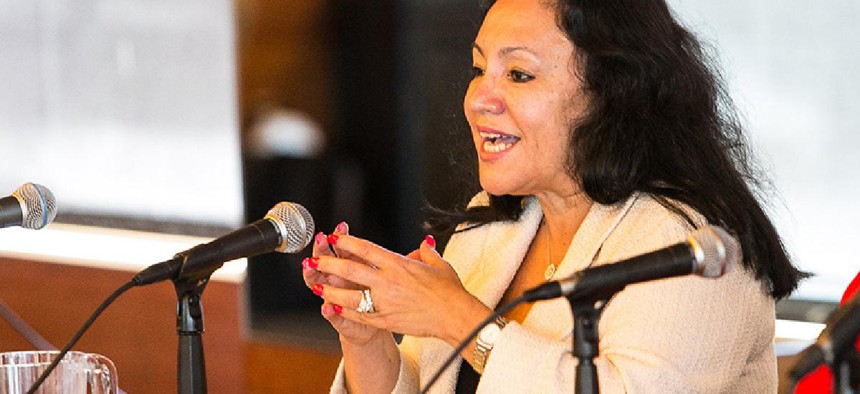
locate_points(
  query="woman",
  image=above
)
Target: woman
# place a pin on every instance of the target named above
(600, 135)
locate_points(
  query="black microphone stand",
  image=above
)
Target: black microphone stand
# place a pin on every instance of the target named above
(586, 313)
(845, 373)
(191, 366)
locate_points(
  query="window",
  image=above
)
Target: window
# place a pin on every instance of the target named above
(792, 71)
(122, 108)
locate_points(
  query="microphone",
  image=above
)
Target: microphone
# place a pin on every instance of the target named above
(838, 337)
(287, 228)
(709, 252)
(31, 206)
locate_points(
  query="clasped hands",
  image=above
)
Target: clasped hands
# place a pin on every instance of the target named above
(418, 294)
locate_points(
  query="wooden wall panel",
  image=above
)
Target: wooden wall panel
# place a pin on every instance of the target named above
(284, 58)
(137, 332)
(274, 368)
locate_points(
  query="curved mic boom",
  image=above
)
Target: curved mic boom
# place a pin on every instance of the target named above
(287, 228)
(709, 252)
(834, 342)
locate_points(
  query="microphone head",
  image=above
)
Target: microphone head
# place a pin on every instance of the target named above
(295, 225)
(715, 250)
(38, 205)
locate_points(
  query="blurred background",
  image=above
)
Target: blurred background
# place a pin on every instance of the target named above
(156, 119)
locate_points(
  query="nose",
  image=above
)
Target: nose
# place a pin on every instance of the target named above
(484, 97)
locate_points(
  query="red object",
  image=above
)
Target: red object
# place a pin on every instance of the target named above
(318, 289)
(311, 262)
(820, 381)
(332, 239)
(431, 242)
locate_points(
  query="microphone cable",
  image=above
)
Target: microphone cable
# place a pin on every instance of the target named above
(79, 334)
(290, 228)
(709, 252)
(496, 313)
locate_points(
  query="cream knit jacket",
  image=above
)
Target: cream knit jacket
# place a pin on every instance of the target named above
(680, 335)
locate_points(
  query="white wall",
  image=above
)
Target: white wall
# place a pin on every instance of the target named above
(122, 106)
(794, 71)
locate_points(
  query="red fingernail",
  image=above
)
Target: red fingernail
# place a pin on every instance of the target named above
(319, 238)
(431, 242)
(338, 309)
(318, 289)
(313, 262)
(342, 228)
(332, 239)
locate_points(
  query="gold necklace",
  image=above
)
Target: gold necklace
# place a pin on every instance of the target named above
(551, 268)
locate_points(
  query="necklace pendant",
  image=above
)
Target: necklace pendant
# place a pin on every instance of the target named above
(550, 271)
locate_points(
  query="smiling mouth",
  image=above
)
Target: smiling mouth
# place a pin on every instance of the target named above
(495, 143)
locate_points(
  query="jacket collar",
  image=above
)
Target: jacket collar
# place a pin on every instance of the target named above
(507, 243)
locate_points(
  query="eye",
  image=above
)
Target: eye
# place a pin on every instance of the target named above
(477, 71)
(520, 76)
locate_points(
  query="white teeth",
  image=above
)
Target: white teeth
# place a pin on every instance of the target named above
(490, 135)
(496, 148)
(497, 142)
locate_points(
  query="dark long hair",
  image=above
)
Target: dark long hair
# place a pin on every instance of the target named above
(661, 123)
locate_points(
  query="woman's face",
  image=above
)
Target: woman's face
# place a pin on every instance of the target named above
(523, 99)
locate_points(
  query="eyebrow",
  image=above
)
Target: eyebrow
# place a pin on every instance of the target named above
(504, 52)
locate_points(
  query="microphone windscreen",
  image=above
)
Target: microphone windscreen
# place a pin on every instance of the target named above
(38, 204)
(295, 225)
(716, 251)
